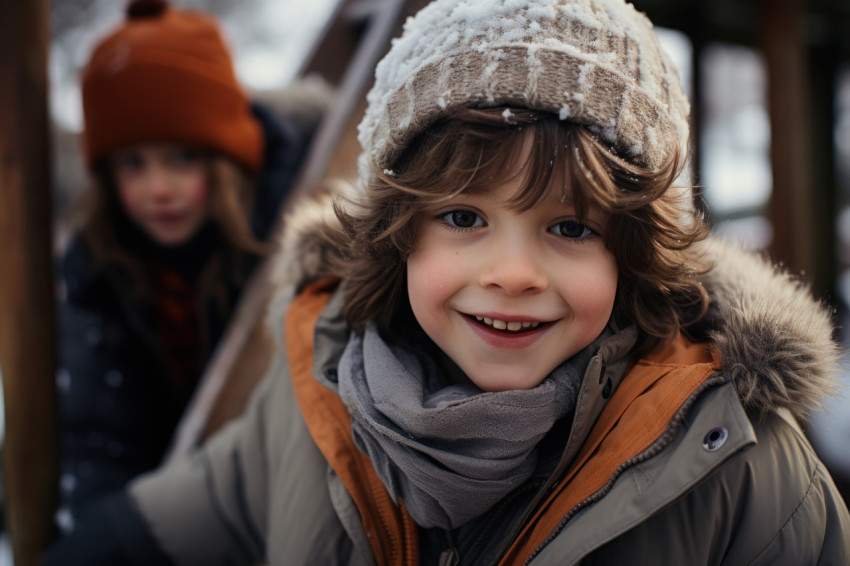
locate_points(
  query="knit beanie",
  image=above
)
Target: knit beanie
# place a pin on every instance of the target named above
(592, 62)
(166, 75)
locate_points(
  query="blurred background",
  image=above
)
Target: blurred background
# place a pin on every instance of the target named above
(769, 82)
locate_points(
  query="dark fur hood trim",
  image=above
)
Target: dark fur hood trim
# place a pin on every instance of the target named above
(774, 340)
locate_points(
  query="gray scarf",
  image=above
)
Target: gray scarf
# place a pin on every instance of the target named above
(449, 452)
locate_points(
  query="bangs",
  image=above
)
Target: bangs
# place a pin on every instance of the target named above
(475, 150)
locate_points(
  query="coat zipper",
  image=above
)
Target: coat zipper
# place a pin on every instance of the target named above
(657, 446)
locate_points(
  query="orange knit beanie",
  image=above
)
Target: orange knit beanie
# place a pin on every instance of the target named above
(166, 75)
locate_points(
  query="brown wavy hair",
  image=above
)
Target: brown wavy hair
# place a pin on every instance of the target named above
(650, 223)
(231, 194)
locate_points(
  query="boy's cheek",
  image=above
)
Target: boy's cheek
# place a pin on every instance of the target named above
(427, 289)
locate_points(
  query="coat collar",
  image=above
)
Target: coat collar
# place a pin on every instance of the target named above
(639, 420)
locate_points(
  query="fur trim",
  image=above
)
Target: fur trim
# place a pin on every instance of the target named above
(774, 340)
(303, 253)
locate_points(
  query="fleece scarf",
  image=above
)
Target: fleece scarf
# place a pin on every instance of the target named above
(449, 452)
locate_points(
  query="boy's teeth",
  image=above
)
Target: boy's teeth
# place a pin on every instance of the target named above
(512, 326)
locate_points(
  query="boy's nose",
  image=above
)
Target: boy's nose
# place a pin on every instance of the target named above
(514, 269)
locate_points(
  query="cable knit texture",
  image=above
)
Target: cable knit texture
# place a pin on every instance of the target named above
(594, 62)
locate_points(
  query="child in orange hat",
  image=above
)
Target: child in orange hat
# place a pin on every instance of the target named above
(187, 177)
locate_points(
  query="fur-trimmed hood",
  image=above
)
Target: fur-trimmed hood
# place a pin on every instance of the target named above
(774, 339)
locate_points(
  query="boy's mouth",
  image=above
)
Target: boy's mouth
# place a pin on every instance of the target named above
(513, 326)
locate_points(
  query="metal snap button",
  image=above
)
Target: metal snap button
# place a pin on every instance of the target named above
(715, 438)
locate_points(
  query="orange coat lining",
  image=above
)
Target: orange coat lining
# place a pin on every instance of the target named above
(389, 528)
(637, 416)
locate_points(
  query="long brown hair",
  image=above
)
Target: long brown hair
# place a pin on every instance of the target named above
(231, 193)
(650, 223)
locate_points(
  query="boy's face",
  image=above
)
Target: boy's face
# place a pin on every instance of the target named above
(509, 296)
(163, 189)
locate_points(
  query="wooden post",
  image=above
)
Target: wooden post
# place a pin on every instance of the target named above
(823, 70)
(790, 208)
(696, 32)
(27, 324)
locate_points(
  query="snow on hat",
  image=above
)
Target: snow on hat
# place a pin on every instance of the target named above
(593, 62)
(166, 75)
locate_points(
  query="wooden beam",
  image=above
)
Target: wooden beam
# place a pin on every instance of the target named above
(790, 208)
(330, 54)
(696, 32)
(27, 323)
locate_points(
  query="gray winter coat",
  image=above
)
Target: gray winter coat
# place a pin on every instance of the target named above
(731, 481)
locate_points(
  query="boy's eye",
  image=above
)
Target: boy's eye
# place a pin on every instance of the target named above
(571, 229)
(462, 219)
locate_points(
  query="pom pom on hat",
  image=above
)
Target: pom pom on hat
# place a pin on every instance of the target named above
(166, 76)
(145, 8)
